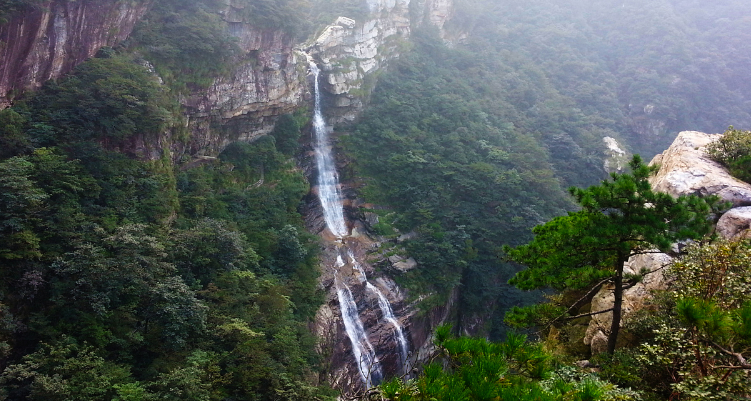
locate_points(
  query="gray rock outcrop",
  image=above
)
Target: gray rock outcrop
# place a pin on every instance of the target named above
(686, 169)
(736, 223)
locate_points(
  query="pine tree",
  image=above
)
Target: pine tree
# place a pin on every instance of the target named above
(620, 218)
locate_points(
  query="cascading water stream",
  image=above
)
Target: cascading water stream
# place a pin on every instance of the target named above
(386, 310)
(330, 196)
(328, 179)
(362, 349)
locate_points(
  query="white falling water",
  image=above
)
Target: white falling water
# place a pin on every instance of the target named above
(330, 197)
(365, 357)
(386, 310)
(328, 179)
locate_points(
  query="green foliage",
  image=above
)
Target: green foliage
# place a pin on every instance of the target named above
(474, 369)
(288, 15)
(13, 140)
(694, 338)
(450, 156)
(109, 100)
(62, 372)
(187, 42)
(10, 7)
(733, 150)
(287, 133)
(201, 280)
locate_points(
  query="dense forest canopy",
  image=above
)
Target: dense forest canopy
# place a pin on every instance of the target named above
(472, 145)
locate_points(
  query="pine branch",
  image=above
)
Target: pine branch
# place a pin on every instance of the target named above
(741, 360)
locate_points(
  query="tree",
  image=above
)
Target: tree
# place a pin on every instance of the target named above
(619, 218)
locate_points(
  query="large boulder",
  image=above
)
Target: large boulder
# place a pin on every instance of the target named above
(685, 169)
(736, 223)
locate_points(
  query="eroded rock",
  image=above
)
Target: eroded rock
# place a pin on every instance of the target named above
(633, 298)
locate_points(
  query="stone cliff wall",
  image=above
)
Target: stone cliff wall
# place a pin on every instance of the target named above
(352, 53)
(269, 78)
(49, 40)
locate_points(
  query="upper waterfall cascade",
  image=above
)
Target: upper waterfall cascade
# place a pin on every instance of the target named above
(329, 193)
(328, 179)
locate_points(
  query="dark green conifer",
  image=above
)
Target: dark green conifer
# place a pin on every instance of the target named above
(620, 218)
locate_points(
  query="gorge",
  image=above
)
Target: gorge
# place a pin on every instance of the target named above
(271, 199)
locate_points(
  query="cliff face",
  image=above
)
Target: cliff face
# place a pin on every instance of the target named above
(54, 37)
(244, 106)
(351, 53)
(270, 80)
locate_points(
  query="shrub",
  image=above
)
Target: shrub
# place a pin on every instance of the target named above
(733, 151)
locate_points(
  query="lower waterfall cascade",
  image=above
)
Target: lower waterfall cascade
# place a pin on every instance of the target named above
(329, 194)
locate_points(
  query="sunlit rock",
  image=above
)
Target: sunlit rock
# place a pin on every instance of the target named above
(685, 169)
(616, 159)
(736, 223)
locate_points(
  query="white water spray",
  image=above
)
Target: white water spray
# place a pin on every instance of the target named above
(362, 350)
(386, 310)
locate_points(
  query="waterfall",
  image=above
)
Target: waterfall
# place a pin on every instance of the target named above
(330, 196)
(328, 179)
(365, 357)
(386, 310)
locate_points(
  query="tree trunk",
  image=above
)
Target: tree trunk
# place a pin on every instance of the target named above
(615, 326)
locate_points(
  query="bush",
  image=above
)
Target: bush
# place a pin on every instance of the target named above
(733, 151)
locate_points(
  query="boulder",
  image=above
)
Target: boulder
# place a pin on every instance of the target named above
(401, 264)
(686, 169)
(735, 223)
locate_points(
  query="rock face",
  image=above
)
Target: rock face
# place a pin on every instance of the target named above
(48, 41)
(269, 82)
(736, 223)
(616, 159)
(633, 298)
(351, 52)
(685, 169)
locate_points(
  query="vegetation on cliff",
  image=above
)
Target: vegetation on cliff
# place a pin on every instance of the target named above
(130, 280)
(733, 150)
(472, 146)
